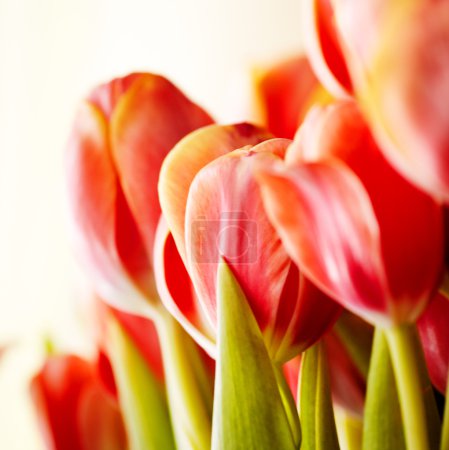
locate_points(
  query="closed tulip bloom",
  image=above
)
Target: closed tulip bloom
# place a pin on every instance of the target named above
(222, 217)
(75, 410)
(434, 333)
(358, 229)
(120, 137)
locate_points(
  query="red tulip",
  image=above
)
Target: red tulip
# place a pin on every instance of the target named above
(434, 333)
(214, 210)
(121, 135)
(75, 411)
(285, 92)
(357, 229)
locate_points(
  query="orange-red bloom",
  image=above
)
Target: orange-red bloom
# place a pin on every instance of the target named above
(214, 210)
(359, 230)
(75, 411)
(121, 135)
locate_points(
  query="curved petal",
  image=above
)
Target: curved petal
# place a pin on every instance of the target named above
(148, 120)
(176, 290)
(325, 219)
(434, 332)
(285, 93)
(225, 218)
(188, 157)
(324, 48)
(99, 420)
(102, 227)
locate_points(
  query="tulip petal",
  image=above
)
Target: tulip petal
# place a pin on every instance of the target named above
(225, 218)
(406, 102)
(285, 93)
(323, 47)
(326, 222)
(103, 229)
(176, 289)
(149, 119)
(186, 160)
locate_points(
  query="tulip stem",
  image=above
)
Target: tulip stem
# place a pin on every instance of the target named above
(445, 432)
(405, 358)
(189, 389)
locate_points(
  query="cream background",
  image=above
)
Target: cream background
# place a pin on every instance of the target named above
(51, 53)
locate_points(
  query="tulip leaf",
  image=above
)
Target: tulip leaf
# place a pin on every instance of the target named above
(141, 395)
(383, 428)
(248, 409)
(315, 402)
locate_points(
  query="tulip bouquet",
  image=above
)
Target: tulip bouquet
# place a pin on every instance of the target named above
(270, 286)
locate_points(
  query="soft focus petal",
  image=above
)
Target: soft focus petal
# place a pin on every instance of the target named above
(405, 96)
(285, 93)
(323, 47)
(62, 394)
(188, 157)
(434, 332)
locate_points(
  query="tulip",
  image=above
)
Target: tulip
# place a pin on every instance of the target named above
(398, 59)
(214, 210)
(362, 234)
(434, 335)
(121, 135)
(285, 92)
(75, 410)
(358, 230)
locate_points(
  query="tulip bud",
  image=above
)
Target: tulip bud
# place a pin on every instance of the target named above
(357, 229)
(121, 135)
(222, 216)
(75, 411)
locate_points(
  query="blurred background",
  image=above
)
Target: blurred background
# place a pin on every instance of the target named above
(51, 53)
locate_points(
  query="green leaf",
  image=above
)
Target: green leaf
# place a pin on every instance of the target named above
(248, 410)
(382, 419)
(315, 402)
(141, 396)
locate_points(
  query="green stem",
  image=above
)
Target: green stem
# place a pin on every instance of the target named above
(404, 355)
(189, 388)
(445, 432)
(289, 404)
(349, 430)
